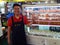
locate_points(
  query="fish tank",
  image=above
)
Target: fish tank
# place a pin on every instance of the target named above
(46, 19)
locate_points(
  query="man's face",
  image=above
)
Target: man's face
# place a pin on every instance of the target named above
(17, 10)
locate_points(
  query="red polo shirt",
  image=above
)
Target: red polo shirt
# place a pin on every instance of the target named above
(9, 23)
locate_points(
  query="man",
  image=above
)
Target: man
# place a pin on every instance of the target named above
(16, 27)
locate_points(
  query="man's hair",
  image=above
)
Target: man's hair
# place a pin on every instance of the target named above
(17, 5)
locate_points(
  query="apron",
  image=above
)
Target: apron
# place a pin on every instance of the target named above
(18, 33)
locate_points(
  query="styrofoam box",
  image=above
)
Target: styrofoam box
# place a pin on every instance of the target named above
(36, 40)
(53, 42)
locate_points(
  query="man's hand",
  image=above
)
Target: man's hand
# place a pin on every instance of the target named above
(29, 24)
(9, 42)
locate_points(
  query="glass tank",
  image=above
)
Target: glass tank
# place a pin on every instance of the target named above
(45, 18)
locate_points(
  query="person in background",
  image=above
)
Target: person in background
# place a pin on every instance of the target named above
(16, 31)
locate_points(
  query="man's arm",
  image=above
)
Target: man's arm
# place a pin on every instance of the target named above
(8, 32)
(28, 23)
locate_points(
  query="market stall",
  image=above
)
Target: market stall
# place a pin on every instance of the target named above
(45, 29)
(46, 23)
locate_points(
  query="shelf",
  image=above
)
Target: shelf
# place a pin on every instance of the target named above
(45, 25)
